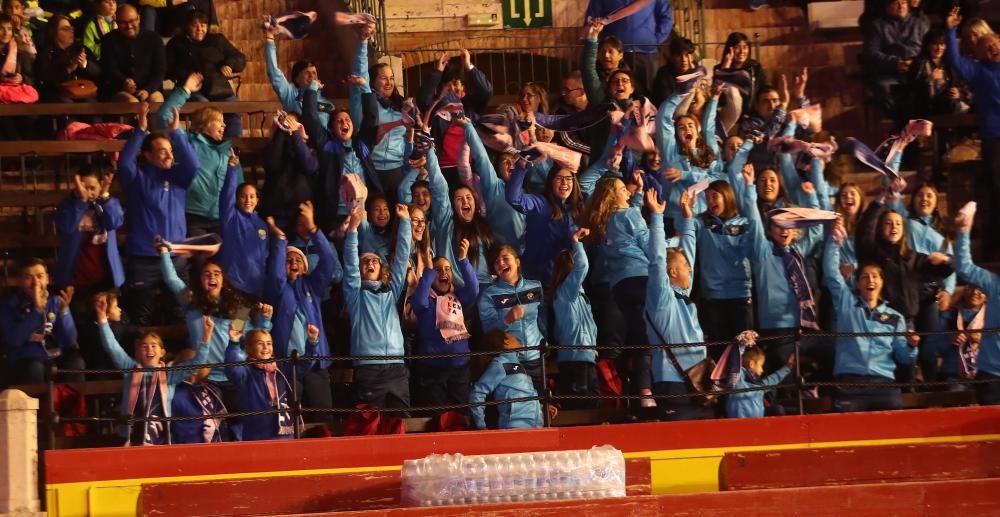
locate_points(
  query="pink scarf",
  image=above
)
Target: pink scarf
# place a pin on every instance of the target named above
(10, 64)
(271, 373)
(159, 380)
(449, 318)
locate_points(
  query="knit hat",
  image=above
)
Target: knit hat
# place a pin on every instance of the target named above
(292, 250)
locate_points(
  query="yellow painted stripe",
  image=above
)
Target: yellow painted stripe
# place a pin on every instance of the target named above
(672, 471)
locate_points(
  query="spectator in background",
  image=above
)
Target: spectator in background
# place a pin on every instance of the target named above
(736, 56)
(984, 79)
(891, 42)
(211, 55)
(103, 22)
(598, 59)
(641, 33)
(303, 74)
(132, 61)
(972, 30)
(573, 99)
(934, 88)
(15, 74)
(63, 59)
(22, 27)
(680, 62)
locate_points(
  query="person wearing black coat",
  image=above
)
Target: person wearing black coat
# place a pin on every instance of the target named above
(132, 61)
(289, 174)
(212, 55)
(62, 59)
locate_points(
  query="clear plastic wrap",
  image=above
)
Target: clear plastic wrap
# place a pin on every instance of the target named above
(448, 479)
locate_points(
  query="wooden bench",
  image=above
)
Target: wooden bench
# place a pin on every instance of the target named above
(859, 465)
(305, 494)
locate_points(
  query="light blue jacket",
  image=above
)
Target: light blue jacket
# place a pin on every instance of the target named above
(724, 248)
(506, 379)
(875, 355)
(289, 96)
(375, 328)
(508, 224)
(670, 156)
(202, 196)
(498, 299)
(442, 225)
(123, 361)
(215, 350)
(574, 321)
(387, 153)
(668, 307)
(750, 404)
(624, 246)
(989, 347)
(777, 306)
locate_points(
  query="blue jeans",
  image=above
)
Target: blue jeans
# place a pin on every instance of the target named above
(234, 121)
(868, 398)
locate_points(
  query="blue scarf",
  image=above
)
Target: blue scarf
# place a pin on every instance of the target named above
(795, 271)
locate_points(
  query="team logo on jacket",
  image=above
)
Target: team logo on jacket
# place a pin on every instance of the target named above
(736, 229)
(261, 233)
(508, 300)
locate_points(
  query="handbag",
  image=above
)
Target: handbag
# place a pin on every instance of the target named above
(698, 377)
(77, 89)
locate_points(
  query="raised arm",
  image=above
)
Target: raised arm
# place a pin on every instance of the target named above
(174, 282)
(175, 101)
(186, 163)
(227, 197)
(352, 270)
(282, 88)
(128, 167)
(236, 374)
(666, 141)
(310, 116)
(114, 349)
(734, 167)
(708, 124)
(327, 264)
(401, 258)
(969, 70)
(468, 293)
(570, 288)
(277, 276)
(355, 91)
(522, 201)
(588, 67)
(968, 271)
(833, 280)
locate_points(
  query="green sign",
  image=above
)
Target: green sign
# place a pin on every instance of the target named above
(521, 14)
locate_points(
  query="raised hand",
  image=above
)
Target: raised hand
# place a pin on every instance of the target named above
(81, 192)
(266, 311)
(235, 334)
(234, 159)
(269, 31)
(194, 82)
(357, 216)
(799, 81)
(66, 296)
(106, 181)
(442, 61)
(142, 118)
(101, 308)
(466, 59)
(273, 226)
(581, 234)
(953, 19)
(463, 249)
(717, 89)
(312, 333)
(672, 174)
(655, 205)
(748, 173)
(402, 211)
(687, 204)
(727, 59)
(783, 90)
(306, 209)
(839, 232)
(637, 180)
(594, 28)
(207, 328)
(176, 121)
(352, 79)
(937, 258)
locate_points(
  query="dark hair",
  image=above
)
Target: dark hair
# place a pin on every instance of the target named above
(31, 262)
(574, 74)
(299, 66)
(613, 41)
(395, 99)
(681, 45)
(87, 171)
(420, 184)
(574, 202)
(6, 19)
(229, 302)
(195, 15)
(370, 202)
(937, 222)
(52, 27)
(620, 71)
(935, 35)
(477, 231)
(245, 184)
(724, 189)
(735, 38)
(147, 143)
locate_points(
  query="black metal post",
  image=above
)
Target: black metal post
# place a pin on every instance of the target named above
(546, 396)
(296, 403)
(798, 368)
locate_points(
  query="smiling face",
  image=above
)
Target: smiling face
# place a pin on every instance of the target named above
(371, 267)
(342, 127)
(562, 184)
(870, 283)
(444, 275)
(974, 297)
(507, 162)
(730, 147)
(652, 161)
(215, 128)
(530, 98)
(849, 201)
(621, 194)
(295, 266)
(682, 62)
(609, 57)
(379, 215)
(463, 203)
(924, 201)
(14, 9)
(679, 270)
(211, 280)
(259, 345)
(33, 277)
(768, 186)
(783, 237)
(246, 199)
(421, 197)
(716, 203)
(891, 229)
(687, 131)
(935, 50)
(988, 48)
(507, 266)
(384, 82)
(620, 87)
(741, 52)
(306, 76)
(573, 94)
(6, 32)
(128, 21)
(197, 30)
(161, 154)
(418, 223)
(91, 188)
(149, 351)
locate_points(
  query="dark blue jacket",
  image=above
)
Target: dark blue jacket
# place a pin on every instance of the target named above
(20, 320)
(984, 78)
(155, 197)
(888, 40)
(425, 308)
(641, 32)
(185, 403)
(68, 215)
(545, 237)
(253, 396)
(244, 241)
(301, 296)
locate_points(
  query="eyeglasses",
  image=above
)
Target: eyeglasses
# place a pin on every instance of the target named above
(417, 221)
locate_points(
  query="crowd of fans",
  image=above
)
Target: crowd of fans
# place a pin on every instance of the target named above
(643, 209)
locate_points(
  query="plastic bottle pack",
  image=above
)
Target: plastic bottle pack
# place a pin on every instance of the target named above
(449, 479)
